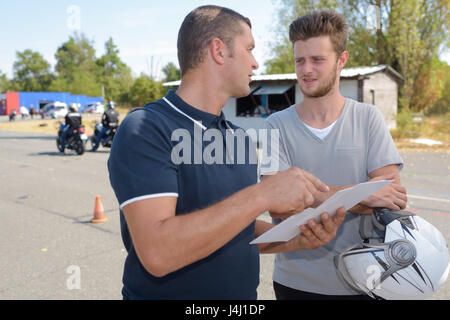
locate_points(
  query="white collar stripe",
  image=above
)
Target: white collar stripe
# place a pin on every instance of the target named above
(176, 109)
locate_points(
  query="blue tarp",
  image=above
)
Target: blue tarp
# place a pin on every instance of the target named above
(28, 99)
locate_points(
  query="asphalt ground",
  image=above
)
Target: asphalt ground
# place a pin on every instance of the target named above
(50, 250)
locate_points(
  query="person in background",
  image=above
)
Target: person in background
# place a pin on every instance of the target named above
(32, 111)
(24, 112)
(73, 121)
(110, 120)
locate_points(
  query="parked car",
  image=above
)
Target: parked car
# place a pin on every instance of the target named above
(93, 107)
(54, 110)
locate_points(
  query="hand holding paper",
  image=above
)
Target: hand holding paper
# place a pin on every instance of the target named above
(314, 235)
(346, 198)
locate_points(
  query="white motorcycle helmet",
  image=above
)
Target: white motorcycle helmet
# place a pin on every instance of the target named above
(402, 257)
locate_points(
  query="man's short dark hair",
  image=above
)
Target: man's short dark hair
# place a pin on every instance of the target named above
(321, 23)
(202, 25)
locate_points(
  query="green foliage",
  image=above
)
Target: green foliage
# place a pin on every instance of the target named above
(171, 72)
(431, 77)
(5, 84)
(76, 67)
(31, 72)
(78, 71)
(144, 90)
(442, 105)
(406, 127)
(114, 75)
(283, 61)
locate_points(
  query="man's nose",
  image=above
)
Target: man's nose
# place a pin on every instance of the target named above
(255, 64)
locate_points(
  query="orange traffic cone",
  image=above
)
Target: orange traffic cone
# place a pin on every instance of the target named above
(99, 215)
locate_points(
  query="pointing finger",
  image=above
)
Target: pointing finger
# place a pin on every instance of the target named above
(317, 182)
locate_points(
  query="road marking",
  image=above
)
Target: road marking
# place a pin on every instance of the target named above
(441, 214)
(428, 198)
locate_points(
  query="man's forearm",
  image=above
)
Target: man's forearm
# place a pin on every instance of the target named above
(184, 239)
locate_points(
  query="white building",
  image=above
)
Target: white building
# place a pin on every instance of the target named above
(377, 85)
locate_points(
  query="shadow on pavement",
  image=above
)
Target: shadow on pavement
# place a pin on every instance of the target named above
(55, 153)
(28, 137)
(98, 151)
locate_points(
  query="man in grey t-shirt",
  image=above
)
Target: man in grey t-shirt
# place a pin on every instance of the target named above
(339, 140)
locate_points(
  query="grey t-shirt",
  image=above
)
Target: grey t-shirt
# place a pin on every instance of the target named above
(358, 143)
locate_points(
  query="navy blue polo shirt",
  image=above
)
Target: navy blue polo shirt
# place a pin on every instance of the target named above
(169, 148)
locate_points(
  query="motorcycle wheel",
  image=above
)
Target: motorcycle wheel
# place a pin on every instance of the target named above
(80, 148)
(58, 145)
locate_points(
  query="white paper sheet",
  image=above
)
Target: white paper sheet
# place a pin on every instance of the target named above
(346, 198)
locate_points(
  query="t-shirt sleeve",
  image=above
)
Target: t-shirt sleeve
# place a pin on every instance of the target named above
(274, 157)
(140, 165)
(382, 150)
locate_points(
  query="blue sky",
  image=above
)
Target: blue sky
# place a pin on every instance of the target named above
(141, 29)
(145, 31)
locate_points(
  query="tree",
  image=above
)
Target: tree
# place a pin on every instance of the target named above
(171, 72)
(283, 62)
(114, 75)
(31, 72)
(416, 30)
(442, 105)
(76, 67)
(430, 76)
(4, 82)
(145, 90)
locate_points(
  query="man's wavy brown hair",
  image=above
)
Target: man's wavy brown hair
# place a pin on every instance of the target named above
(321, 23)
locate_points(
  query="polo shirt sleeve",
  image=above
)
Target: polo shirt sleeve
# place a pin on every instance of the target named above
(140, 165)
(382, 150)
(274, 157)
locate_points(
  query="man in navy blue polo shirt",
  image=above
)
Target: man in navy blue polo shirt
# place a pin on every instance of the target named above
(187, 209)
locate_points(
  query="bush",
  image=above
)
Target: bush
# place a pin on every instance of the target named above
(406, 127)
(441, 107)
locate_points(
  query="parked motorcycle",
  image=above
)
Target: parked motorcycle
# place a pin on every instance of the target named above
(76, 139)
(106, 140)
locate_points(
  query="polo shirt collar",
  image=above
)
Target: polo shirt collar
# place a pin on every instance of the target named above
(201, 118)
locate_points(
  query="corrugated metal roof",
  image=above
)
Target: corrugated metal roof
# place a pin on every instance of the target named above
(273, 89)
(284, 76)
(345, 73)
(362, 71)
(172, 83)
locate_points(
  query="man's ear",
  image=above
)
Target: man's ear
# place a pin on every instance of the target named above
(343, 59)
(217, 49)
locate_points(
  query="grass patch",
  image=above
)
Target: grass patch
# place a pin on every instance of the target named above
(436, 127)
